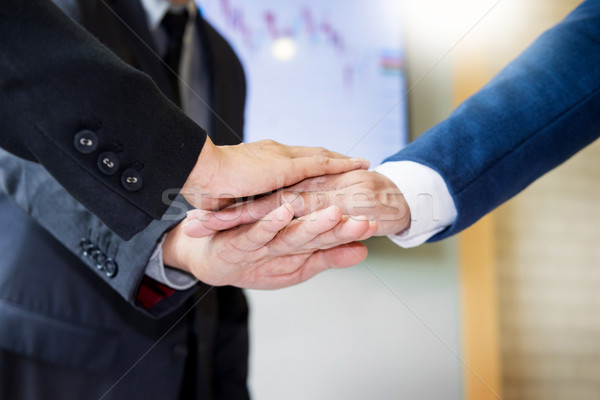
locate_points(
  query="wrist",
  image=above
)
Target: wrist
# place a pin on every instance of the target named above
(204, 171)
(404, 221)
(173, 250)
(399, 218)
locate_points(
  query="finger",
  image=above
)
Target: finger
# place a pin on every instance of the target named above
(348, 230)
(293, 239)
(323, 182)
(373, 228)
(257, 235)
(308, 167)
(308, 202)
(203, 223)
(285, 265)
(195, 224)
(338, 257)
(300, 241)
(204, 202)
(342, 256)
(287, 242)
(249, 211)
(302, 151)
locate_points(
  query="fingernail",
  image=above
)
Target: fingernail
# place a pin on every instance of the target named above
(358, 218)
(195, 215)
(295, 199)
(288, 206)
(364, 162)
(189, 221)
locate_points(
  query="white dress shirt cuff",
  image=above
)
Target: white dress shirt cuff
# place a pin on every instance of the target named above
(431, 207)
(173, 278)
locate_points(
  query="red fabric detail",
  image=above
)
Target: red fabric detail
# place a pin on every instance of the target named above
(152, 292)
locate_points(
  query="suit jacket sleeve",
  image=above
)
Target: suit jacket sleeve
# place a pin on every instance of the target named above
(57, 83)
(34, 190)
(536, 113)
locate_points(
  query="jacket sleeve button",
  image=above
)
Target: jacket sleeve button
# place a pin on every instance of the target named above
(110, 267)
(86, 246)
(99, 259)
(86, 141)
(131, 180)
(108, 163)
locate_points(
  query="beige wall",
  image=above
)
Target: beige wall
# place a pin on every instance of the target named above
(548, 260)
(530, 272)
(547, 255)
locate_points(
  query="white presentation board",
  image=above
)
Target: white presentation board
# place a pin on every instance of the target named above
(320, 72)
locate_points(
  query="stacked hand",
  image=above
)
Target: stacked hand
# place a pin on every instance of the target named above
(225, 173)
(273, 252)
(258, 243)
(356, 193)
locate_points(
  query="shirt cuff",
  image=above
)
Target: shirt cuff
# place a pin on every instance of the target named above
(431, 206)
(173, 278)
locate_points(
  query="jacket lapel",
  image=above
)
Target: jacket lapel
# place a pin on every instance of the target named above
(121, 25)
(228, 86)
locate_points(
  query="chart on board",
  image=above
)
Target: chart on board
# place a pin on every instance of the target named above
(320, 73)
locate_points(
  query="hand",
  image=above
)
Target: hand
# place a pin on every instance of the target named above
(224, 173)
(272, 253)
(364, 193)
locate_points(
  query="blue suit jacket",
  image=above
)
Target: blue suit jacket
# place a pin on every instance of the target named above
(536, 113)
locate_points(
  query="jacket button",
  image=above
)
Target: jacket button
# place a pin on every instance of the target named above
(108, 163)
(110, 267)
(99, 259)
(86, 141)
(87, 247)
(131, 180)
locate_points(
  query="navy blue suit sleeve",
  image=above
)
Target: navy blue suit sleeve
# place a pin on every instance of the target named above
(535, 114)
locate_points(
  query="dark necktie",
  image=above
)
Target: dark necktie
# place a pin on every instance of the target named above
(174, 25)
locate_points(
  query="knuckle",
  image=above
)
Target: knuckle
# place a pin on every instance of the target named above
(370, 194)
(290, 240)
(322, 160)
(369, 185)
(269, 142)
(320, 201)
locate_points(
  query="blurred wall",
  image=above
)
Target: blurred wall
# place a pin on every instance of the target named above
(385, 329)
(548, 257)
(543, 255)
(548, 265)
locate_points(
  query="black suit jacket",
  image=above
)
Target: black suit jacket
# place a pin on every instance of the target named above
(65, 333)
(57, 81)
